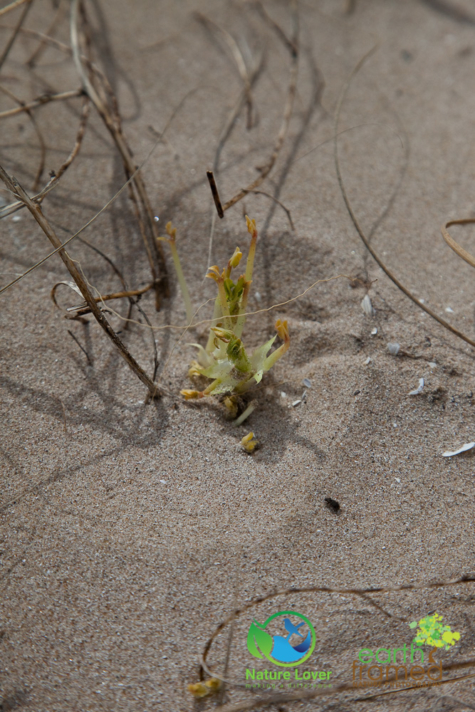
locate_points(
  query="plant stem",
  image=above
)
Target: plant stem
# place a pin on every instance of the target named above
(181, 281)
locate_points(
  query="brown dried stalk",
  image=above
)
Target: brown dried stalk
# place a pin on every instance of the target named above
(112, 122)
(45, 99)
(238, 58)
(454, 245)
(292, 45)
(359, 229)
(41, 140)
(13, 185)
(12, 6)
(12, 39)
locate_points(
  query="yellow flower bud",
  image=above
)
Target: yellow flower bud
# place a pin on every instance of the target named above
(194, 370)
(249, 443)
(282, 329)
(236, 258)
(171, 231)
(251, 226)
(189, 395)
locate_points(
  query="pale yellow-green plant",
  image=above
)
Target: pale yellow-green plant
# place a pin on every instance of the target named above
(224, 360)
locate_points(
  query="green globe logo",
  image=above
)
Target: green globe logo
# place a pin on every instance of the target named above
(278, 648)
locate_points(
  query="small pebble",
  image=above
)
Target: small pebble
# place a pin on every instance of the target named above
(16, 218)
(393, 349)
(374, 331)
(306, 383)
(449, 310)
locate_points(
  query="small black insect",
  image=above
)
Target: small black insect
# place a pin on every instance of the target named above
(332, 504)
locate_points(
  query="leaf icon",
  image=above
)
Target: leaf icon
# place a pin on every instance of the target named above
(257, 636)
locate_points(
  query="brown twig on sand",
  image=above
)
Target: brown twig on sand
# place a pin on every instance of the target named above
(454, 245)
(359, 229)
(32, 60)
(13, 185)
(12, 6)
(45, 99)
(286, 210)
(41, 140)
(12, 39)
(96, 93)
(276, 698)
(238, 58)
(292, 45)
(39, 197)
(261, 702)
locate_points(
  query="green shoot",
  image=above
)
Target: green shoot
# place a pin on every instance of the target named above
(171, 239)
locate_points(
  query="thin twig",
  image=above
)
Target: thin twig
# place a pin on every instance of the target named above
(132, 302)
(13, 185)
(357, 226)
(363, 592)
(266, 169)
(81, 347)
(84, 227)
(12, 39)
(238, 58)
(154, 251)
(260, 702)
(45, 99)
(32, 60)
(12, 6)
(454, 245)
(41, 167)
(286, 210)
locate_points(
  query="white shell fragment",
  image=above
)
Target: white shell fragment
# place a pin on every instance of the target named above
(297, 402)
(432, 364)
(374, 331)
(418, 390)
(464, 448)
(449, 310)
(394, 349)
(368, 361)
(367, 307)
(307, 383)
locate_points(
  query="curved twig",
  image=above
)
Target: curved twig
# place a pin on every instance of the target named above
(357, 226)
(454, 245)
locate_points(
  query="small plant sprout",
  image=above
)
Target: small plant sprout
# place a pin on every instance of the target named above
(171, 239)
(225, 361)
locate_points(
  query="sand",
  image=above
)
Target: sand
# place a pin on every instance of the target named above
(130, 530)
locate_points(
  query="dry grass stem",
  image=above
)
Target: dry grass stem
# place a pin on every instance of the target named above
(13, 185)
(359, 229)
(45, 99)
(12, 39)
(266, 169)
(12, 6)
(112, 121)
(454, 245)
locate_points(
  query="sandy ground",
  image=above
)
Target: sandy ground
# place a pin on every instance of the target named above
(129, 531)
